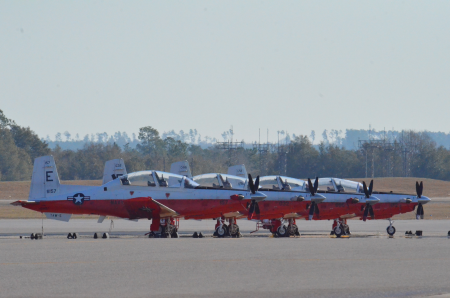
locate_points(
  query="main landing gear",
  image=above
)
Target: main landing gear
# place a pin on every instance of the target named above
(340, 228)
(223, 230)
(292, 228)
(168, 228)
(279, 229)
(390, 229)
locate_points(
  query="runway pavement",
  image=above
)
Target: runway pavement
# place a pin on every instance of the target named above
(315, 265)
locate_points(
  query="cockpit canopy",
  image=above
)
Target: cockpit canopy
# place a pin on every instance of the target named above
(340, 185)
(281, 183)
(157, 179)
(215, 180)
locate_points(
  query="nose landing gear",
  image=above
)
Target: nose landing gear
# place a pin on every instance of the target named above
(390, 229)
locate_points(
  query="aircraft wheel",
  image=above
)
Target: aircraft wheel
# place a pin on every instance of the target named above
(293, 230)
(174, 233)
(234, 230)
(390, 230)
(338, 231)
(221, 231)
(282, 231)
(347, 230)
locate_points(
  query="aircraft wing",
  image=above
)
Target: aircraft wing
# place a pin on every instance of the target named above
(144, 207)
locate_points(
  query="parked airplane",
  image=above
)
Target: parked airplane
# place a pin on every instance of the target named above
(389, 204)
(160, 196)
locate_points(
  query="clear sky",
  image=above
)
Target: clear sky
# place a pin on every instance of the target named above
(105, 66)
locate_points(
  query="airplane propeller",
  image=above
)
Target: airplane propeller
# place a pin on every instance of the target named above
(254, 207)
(368, 207)
(419, 191)
(314, 208)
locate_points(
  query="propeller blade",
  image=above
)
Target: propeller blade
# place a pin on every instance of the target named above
(316, 185)
(311, 209)
(252, 207)
(250, 184)
(257, 183)
(366, 212)
(370, 187)
(310, 186)
(257, 208)
(316, 209)
(417, 189)
(420, 189)
(372, 215)
(420, 212)
(366, 192)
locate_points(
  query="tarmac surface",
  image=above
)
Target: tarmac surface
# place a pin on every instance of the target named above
(368, 264)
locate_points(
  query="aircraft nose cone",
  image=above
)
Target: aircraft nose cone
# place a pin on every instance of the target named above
(423, 200)
(317, 198)
(372, 200)
(258, 196)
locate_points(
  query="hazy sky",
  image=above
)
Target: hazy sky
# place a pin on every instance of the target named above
(105, 66)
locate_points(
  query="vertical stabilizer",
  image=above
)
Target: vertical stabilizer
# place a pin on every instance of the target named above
(113, 169)
(45, 179)
(181, 168)
(238, 170)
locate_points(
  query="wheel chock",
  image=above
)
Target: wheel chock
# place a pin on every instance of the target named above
(200, 235)
(448, 234)
(75, 235)
(419, 233)
(69, 236)
(32, 236)
(195, 235)
(105, 236)
(95, 236)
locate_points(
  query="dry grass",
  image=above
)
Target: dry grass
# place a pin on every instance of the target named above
(431, 187)
(18, 190)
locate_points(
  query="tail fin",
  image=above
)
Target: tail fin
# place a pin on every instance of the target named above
(238, 170)
(181, 168)
(113, 169)
(45, 179)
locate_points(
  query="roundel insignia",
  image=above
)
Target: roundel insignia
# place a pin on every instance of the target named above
(78, 199)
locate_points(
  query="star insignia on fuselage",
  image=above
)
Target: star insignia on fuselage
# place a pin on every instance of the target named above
(79, 198)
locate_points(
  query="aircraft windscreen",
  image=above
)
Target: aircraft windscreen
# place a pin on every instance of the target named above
(292, 183)
(209, 180)
(270, 182)
(326, 184)
(234, 182)
(168, 179)
(144, 178)
(346, 185)
(188, 183)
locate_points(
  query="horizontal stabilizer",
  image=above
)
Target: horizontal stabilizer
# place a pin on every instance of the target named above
(59, 216)
(22, 203)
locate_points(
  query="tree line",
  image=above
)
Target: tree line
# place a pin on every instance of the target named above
(421, 157)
